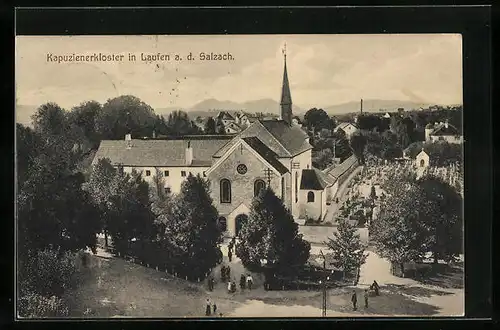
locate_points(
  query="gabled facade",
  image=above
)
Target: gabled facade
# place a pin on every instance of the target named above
(348, 128)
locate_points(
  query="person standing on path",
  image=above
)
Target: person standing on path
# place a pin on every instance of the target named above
(249, 281)
(242, 282)
(215, 308)
(230, 255)
(208, 308)
(375, 287)
(354, 300)
(366, 298)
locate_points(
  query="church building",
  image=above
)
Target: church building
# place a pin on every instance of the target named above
(273, 153)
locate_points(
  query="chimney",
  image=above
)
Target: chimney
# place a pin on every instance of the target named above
(446, 123)
(361, 106)
(189, 154)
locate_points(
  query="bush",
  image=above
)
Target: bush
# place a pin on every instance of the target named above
(34, 305)
(48, 272)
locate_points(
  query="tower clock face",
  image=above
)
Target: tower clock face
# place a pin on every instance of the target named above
(241, 168)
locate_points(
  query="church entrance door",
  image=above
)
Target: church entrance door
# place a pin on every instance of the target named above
(240, 220)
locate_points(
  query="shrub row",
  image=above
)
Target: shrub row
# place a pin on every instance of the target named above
(155, 255)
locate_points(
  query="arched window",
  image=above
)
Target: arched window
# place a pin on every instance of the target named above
(225, 191)
(258, 186)
(310, 197)
(222, 222)
(422, 163)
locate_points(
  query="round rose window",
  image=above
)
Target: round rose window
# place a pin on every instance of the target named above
(242, 169)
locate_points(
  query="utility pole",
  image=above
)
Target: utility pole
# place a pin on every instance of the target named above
(324, 284)
(268, 172)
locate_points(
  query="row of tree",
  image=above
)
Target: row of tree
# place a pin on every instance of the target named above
(418, 217)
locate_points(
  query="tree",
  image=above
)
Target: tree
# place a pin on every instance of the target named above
(50, 120)
(210, 126)
(160, 203)
(400, 233)
(179, 124)
(445, 222)
(192, 232)
(52, 208)
(102, 185)
(358, 143)
(400, 129)
(130, 216)
(84, 117)
(348, 251)
(318, 119)
(322, 159)
(123, 115)
(271, 234)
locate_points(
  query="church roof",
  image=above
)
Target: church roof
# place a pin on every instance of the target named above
(162, 153)
(335, 171)
(225, 115)
(286, 96)
(314, 179)
(344, 125)
(293, 138)
(266, 153)
(443, 129)
(284, 140)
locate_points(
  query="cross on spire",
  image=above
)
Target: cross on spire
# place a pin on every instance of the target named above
(284, 50)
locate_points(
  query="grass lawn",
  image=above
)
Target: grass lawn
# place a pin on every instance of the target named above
(113, 287)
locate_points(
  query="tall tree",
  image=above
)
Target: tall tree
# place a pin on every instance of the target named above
(445, 222)
(318, 119)
(210, 126)
(123, 115)
(347, 248)
(358, 143)
(84, 117)
(400, 233)
(271, 234)
(160, 203)
(192, 230)
(50, 120)
(130, 216)
(179, 124)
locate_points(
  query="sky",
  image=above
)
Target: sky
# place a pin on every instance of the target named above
(323, 70)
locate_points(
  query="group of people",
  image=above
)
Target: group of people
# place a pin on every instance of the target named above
(211, 308)
(373, 287)
(246, 282)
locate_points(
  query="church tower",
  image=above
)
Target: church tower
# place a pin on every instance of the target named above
(286, 97)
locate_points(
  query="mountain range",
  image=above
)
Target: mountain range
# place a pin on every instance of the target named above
(211, 107)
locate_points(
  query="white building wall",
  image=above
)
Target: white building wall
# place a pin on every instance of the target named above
(447, 138)
(304, 160)
(314, 209)
(174, 179)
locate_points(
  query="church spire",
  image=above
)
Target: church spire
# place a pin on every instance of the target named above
(286, 97)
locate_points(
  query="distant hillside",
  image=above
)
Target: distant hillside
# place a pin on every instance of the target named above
(211, 107)
(374, 106)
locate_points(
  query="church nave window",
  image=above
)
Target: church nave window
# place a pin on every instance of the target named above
(225, 191)
(148, 172)
(183, 173)
(258, 186)
(166, 173)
